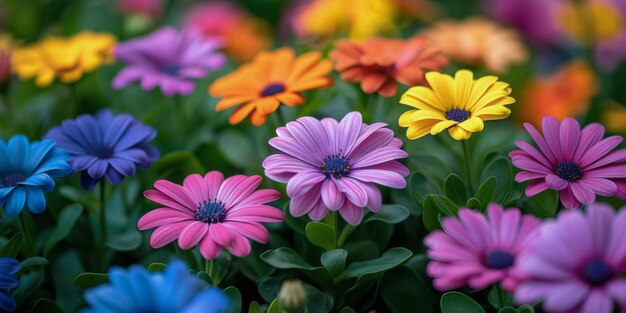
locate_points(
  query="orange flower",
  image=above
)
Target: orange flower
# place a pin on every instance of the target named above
(379, 63)
(259, 87)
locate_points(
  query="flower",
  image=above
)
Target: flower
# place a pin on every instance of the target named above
(332, 166)
(168, 59)
(577, 262)
(6, 50)
(272, 78)
(211, 212)
(292, 296)
(27, 170)
(137, 290)
(480, 42)
(614, 117)
(378, 63)
(478, 251)
(66, 58)
(459, 104)
(105, 146)
(8, 269)
(578, 163)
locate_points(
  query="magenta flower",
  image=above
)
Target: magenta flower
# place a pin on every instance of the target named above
(579, 164)
(478, 251)
(211, 212)
(332, 166)
(168, 59)
(577, 262)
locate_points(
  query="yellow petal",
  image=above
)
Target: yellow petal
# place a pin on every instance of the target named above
(443, 89)
(439, 127)
(478, 90)
(422, 98)
(418, 130)
(473, 124)
(464, 80)
(459, 133)
(420, 115)
(493, 112)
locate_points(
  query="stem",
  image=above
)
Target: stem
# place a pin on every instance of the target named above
(466, 164)
(101, 263)
(331, 220)
(345, 233)
(26, 233)
(208, 267)
(280, 117)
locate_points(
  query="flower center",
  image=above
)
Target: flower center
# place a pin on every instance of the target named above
(103, 152)
(272, 89)
(211, 212)
(458, 115)
(171, 69)
(569, 171)
(499, 259)
(12, 180)
(336, 165)
(597, 273)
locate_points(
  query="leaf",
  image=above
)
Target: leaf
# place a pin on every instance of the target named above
(45, 305)
(235, 299)
(13, 246)
(455, 189)
(33, 261)
(318, 302)
(286, 258)
(274, 307)
(128, 241)
(202, 275)
(390, 259)
(430, 216)
(390, 214)
(237, 149)
(29, 283)
(403, 292)
(544, 204)
(526, 309)
(156, 267)
(502, 170)
(321, 235)
(507, 310)
(456, 302)
(334, 261)
(183, 162)
(88, 280)
(499, 298)
(486, 191)
(65, 223)
(474, 204)
(254, 307)
(419, 187)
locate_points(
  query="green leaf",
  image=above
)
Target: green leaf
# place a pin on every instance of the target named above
(507, 310)
(486, 191)
(430, 216)
(334, 261)
(526, 309)
(286, 258)
(65, 223)
(499, 298)
(403, 292)
(321, 235)
(419, 187)
(390, 214)
(156, 267)
(183, 162)
(474, 204)
(33, 261)
(390, 259)
(202, 275)
(254, 307)
(13, 246)
(237, 148)
(456, 302)
(235, 299)
(45, 305)
(442, 205)
(29, 283)
(502, 170)
(88, 280)
(274, 307)
(127, 241)
(544, 204)
(455, 189)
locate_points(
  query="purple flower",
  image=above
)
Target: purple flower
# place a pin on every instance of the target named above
(168, 59)
(478, 251)
(577, 263)
(332, 166)
(105, 146)
(578, 163)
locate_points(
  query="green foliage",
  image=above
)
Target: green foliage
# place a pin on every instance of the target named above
(456, 302)
(321, 235)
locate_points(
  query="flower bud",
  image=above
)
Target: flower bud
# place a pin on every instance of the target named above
(292, 296)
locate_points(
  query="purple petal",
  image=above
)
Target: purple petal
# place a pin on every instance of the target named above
(331, 195)
(381, 177)
(348, 131)
(599, 150)
(303, 182)
(569, 134)
(551, 129)
(353, 190)
(555, 182)
(589, 136)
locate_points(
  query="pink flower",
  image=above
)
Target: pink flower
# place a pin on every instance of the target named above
(578, 163)
(577, 263)
(211, 212)
(332, 166)
(478, 251)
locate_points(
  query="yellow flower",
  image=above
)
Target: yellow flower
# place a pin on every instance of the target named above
(65, 58)
(458, 104)
(588, 21)
(614, 118)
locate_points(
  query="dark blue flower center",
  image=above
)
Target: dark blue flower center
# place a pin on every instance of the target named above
(336, 165)
(102, 152)
(457, 115)
(12, 180)
(211, 212)
(569, 171)
(499, 259)
(171, 69)
(272, 89)
(597, 273)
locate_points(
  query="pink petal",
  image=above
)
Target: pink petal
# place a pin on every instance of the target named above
(614, 157)
(220, 234)
(303, 182)
(381, 177)
(376, 140)
(261, 196)
(301, 205)
(527, 163)
(292, 147)
(243, 190)
(556, 182)
(209, 249)
(213, 180)
(351, 213)
(228, 187)
(348, 131)
(165, 200)
(613, 171)
(331, 195)
(318, 211)
(380, 155)
(536, 187)
(318, 134)
(600, 186)
(599, 150)
(353, 190)
(541, 143)
(162, 216)
(192, 234)
(194, 184)
(526, 176)
(239, 246)
(256, 213)
(598, 302)
(551, 129)
(569, 134)
(330, 125)
(582, 193)
(252, 230)
(306, 141)
(565, 296)
(175, 192)
(374, 198)
(165, 234)
(589, 136)
(528, 148)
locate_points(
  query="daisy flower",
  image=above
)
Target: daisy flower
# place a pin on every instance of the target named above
(7, 45)
(478, 250)
(211, 212)
(578, 163)
(460, 104)
(8, 280)
(332, 166)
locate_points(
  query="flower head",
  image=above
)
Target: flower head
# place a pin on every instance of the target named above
(6, 50)
(168, 59)
(577, 263)
(478, 251)
(578, 163)
(379, 63)
(272, 78)
(459, 104)
(332, 166)
(211, 212)
(137, 290)
(27, 170)
(105, 146)
(8, 271)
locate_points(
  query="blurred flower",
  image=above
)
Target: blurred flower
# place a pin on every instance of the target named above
(614, 118)
(577, 263)
(426, 10)
(379, 63)
(137, 290)
(151, 9)
(480, 42)
(242, 36)
(66, 58)
(8, 280)
(212, 213)
(459, 104)
(332, 166)
(27, 170)
(105, 146)
(6, 50)
(292, 296)
(579, 164)
(478, 251)
(272, 78)
(168, 59)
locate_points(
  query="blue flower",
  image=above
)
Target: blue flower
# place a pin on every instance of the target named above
(26, 172)
(105, 146)
(138, 291)
(8, 268)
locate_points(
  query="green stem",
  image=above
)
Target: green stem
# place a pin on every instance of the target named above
(208, 268)
(280, 117)
(467, 164)
(331, 220)
(103, 226)
(27, 233)
(345, 233)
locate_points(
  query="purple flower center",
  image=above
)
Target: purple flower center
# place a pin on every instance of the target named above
(102, 152)
(499, 259)
(597, 273)
(272, 89)
(457, 115)
(569, 171)
(336, 166)
(211, 212)
(12, 180)
(171, 69)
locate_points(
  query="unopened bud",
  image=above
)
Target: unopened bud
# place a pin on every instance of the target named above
(292, 297)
